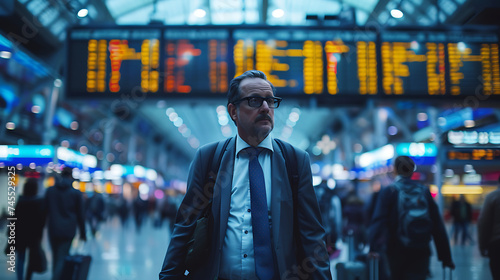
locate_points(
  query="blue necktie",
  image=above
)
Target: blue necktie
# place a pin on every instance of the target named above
(264, 265)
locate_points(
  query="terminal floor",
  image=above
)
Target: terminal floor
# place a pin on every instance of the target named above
(126, 254)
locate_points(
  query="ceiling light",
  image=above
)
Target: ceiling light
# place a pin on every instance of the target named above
(392, 130)
(469, 123)
(461, 46)
(395, 13)
(83, 13)
(278, 13)
(57, 83)
(10, 126)
(5, 54)
(422, 117)
(199, 13)
(35, 109)
(74, 125)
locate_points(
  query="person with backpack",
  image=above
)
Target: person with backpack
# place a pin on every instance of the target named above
(406, 218)
(264, 220)
(488, 231)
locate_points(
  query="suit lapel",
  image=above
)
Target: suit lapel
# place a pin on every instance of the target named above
(222, 195)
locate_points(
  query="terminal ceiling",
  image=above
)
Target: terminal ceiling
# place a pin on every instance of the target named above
(200, 116)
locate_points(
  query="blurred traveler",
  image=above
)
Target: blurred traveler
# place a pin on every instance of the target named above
(123, 210)
(331, 214)
(489, 231)
(406, 218)
(376, 186)
(370, 208)
(252, 232)
(461, 211)
(65, 213)
(353, 217)
(140, 212)
(30, 214)
(95, 207)
(168, 210)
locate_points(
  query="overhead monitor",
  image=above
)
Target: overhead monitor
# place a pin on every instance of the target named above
(327, 62)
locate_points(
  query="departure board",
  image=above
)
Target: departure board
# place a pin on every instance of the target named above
(474, 65)
(107, 62)
(196, 61)
(329, 61)
(163, 61)
(479, 154)
(413, 63)
(439, 63)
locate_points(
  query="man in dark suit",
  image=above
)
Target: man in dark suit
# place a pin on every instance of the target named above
(65, 214)
(246, 241)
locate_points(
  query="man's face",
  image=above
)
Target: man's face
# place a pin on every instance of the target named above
(254, 124)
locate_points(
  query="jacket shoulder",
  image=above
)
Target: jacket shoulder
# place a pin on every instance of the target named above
(212, 146)
(298, 151)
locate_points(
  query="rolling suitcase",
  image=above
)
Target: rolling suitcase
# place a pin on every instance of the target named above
(351, 270)
(373, 265)
(76, 267)
(444, 273)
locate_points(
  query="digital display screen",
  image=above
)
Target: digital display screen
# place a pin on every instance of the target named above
(474, 64)
(303, 61)
(196, 61)
(310, 62)
(108, 62)
(473, 154)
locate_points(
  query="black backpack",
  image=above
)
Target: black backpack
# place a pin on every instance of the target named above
(414, 220)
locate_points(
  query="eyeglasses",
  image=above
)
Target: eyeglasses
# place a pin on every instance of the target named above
(256, 101)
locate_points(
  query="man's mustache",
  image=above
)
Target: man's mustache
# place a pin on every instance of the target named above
(264, 117)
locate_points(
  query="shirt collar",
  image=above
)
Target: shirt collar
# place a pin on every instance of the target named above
(267, 143)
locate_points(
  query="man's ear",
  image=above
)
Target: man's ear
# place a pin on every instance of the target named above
(231, 109)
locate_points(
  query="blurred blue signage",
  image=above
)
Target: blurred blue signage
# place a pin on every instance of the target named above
(377, 158)
(73, 158)
(417, 149)
(455, 119)
(26, 154)
(474, 137)
(421, 153)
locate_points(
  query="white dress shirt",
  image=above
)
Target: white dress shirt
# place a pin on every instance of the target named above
(237, 260)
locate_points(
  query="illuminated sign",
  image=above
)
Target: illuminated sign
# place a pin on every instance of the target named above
(421, 153)
(492, 154)
(471, 179)
(416, 149)
(301, 61)
(474, 137)
(107, 62)
(26, 154)
(376, 158)
(73, 158)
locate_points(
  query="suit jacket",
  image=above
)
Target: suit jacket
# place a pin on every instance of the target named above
(311, 235)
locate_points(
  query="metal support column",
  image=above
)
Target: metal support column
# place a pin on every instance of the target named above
(151, 153)
(438, 177)
(48, 132)
(380, 118)
(132, 144)
(109, 127)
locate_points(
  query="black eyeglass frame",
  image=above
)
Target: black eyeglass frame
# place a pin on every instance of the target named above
(277, 101)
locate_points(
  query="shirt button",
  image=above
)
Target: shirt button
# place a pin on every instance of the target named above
(246, 231)
(245, 255)
(248, 210)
